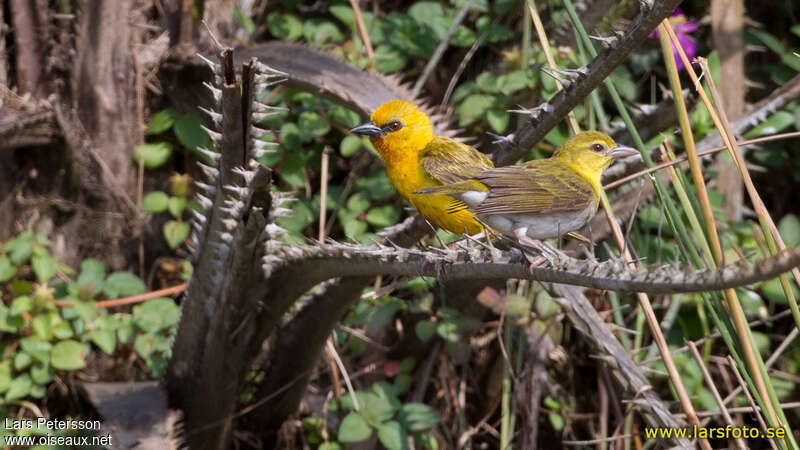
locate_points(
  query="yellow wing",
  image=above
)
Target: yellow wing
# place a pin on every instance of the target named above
(537, 187)
(450, 161)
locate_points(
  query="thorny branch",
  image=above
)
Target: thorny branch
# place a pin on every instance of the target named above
(511, 149)
(317, 263)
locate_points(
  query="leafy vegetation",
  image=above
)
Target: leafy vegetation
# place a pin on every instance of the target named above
(429, 371)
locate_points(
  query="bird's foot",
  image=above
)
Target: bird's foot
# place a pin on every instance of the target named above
(546, 253)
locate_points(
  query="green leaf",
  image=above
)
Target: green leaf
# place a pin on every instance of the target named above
(319, 32)
(376, 410)
(156, 314)
(44, 266)
(448, 330)
(125, 331)
(349, 145)
(188, 129)
(472, 108)
(354, 228)
(358, 202)
(498, 119)
(67, 355)
(38, 391)
(162, 121)
(22, 360)
(313, 125)
(155, 202)
(62, 330)
(285, 27)
(7, 270)
(176, 205)
(393, 436)
(41, 373)
(329, 446)
(5, 376)
(418, 417)
(382, 315)
(293, 170)
(773, 291)
(37, 348)
(775, 124)
(153, 155)
(389, 58)
(384, 216)
(123, 284)
(344, 117)
(175, 232)
(425, 330)
(496, 32)
(86, 310)
(20, 387)
(290, 136)
(20, 305)
(376, 184)
(92, 272)
(353, 428)
(42, 326)
(789, 227)
(105, 339)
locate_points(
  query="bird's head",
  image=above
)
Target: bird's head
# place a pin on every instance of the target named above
(591, 152)
(397, 126)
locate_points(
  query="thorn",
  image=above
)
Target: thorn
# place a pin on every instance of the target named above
(533, 112)
(212, 155)
(198, 217)
(265, 108)
(499, 138)
(262, 145)
(266, 70)
(230, 224)
(258, 153)
(277, 213)
(226, 237)
(216, 137)
(265, 81)
(248, 175)
(214, 66)
(210, 172)
(274, 230)
(216, 93)
(207, 189)
(239, 191)
(198, 227)
(215, 116)
(204, 201)
(259, 116)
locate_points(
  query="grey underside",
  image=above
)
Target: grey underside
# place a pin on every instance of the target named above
(539, 226)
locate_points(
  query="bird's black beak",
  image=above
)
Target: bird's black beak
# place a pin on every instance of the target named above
(368, 129)
(622, 152)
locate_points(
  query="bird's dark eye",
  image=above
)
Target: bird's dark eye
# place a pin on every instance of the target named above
(393, 126)
(598, 147)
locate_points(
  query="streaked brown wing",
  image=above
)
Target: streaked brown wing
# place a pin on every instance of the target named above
(542, 187)
(450, 161)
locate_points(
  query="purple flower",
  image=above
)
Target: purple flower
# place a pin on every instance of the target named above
(682, 27)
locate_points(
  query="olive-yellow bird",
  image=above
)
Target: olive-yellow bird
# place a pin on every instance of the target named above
(415, 159)
(542, 198)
